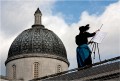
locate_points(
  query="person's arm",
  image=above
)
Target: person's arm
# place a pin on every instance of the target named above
(91, 34)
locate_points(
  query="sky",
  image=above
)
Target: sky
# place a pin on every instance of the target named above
(64, 18)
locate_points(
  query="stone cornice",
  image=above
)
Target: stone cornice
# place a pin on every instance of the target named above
(36, 55)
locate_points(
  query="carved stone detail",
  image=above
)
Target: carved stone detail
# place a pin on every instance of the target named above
(37, 40)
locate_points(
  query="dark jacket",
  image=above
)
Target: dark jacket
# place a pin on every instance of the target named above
(82, 38)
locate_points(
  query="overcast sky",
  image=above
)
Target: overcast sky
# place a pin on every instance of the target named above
(63, 18)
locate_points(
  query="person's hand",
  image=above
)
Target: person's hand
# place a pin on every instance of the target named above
(97, 30)
(90, 42)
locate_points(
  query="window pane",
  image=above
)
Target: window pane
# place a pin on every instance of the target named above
(36, 69)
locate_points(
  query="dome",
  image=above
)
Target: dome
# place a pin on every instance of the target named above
(37, 50)
(37, 41)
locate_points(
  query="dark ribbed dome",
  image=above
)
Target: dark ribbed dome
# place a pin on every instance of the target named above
(37, 42)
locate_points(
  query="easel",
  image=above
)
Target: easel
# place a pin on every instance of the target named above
(95, 46)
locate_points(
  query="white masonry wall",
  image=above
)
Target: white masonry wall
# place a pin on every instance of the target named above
(24, 67)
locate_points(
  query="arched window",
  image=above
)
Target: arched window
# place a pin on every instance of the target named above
(36, 70)
(14, 71)
(59, 68)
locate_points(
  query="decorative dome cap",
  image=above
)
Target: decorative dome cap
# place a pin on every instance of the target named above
(38, 11)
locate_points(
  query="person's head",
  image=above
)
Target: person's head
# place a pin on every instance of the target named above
(84, 28)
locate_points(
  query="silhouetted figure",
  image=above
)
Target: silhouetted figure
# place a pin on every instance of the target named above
(83, 51)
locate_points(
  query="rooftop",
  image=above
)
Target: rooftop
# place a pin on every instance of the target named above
(104, 70)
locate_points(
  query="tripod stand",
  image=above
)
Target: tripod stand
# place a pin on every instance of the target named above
(94, 47)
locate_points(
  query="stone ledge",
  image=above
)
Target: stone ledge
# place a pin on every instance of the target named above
(36, 55)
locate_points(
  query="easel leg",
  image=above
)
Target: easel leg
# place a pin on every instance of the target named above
(93, 50)
(98, 52)
(93, 47)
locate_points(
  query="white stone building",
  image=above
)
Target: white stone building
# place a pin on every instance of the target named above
(36, 52)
